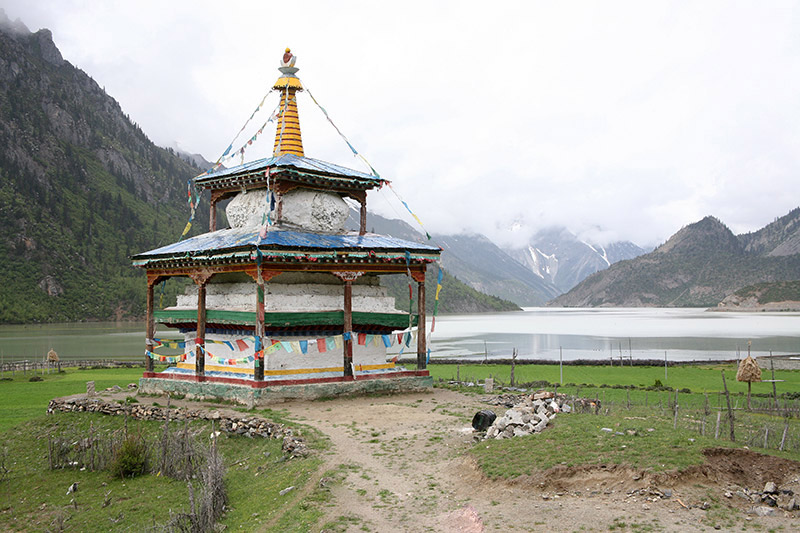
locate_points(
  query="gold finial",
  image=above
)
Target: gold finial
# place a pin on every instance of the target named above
(288, 58)
(288, 139)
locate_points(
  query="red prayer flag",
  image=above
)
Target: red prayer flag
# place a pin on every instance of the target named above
(362, 339)
(241, 344)
(321, 346)
(399, 338)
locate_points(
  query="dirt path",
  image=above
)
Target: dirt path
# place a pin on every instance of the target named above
(405, 469)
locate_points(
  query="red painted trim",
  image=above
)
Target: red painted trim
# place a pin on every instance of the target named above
(267, 384)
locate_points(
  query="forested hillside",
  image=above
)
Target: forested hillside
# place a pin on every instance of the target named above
(81, 188)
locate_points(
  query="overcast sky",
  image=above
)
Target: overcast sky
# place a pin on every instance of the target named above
(619, 120)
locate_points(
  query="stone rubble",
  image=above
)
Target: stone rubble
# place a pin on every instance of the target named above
(528, 413)
(248, 426)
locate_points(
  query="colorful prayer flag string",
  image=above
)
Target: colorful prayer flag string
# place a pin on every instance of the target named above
(352, 149)
(428, 235)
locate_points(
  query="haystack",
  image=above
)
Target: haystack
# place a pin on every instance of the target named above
(52, 356)
(749, 371)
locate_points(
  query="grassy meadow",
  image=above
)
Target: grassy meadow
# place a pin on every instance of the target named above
(647, 432)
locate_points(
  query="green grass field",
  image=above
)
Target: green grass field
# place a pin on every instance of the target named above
(697, 378)
(34, 497)
(22, 400)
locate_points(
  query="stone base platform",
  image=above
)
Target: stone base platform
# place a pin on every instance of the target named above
(253, 393)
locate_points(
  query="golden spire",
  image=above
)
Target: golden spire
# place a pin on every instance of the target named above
(288, 139)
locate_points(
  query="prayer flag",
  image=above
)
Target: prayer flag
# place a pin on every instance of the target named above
(338, 340)
(241, 345)
(387, 340)
(331, 343)
(362, 339)
(304, 347)
(321, 346)
(287, 346)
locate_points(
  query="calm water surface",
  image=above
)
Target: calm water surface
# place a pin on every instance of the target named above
(685, 334)
(537, 333)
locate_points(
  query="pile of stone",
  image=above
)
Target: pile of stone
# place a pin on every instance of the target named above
(770, 497)
(251, 426)
(530, 415)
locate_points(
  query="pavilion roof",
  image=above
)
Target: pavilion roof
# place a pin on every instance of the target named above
(242, 242)
(252, 173)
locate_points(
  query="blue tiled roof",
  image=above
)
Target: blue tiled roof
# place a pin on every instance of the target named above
(224, 241)
(289, 161)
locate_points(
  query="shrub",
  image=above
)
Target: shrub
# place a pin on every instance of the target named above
(130, 460)
(36, 378)
(658, 384)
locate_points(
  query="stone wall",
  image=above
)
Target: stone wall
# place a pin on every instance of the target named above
(252, 397)
(249, 426)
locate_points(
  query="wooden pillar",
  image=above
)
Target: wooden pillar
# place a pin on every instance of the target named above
(258, 370)
(212, 218)
(348, 328)
(150, 328)
(200, 356)
(362, 229)
(422, 345)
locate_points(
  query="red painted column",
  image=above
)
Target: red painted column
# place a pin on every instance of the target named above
(348, 328)
(422, 346)
(200, 356)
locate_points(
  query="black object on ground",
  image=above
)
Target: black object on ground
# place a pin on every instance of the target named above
(483, 419)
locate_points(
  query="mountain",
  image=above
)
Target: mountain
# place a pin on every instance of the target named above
(780, 238)
(561, 258)
(81, 188)
(775, 296)
(697, 267)
(476, 261)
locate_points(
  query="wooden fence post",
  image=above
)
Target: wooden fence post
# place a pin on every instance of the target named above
(730, 411)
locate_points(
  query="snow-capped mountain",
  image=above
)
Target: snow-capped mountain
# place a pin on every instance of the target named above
(561, 258)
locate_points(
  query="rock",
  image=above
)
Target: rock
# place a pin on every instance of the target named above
(543, 395)
(514, 417)
(520, 431)
(90, 388)
(286, 490)
(488, 385)
(787, 503)
(762, 511)
(770, 487)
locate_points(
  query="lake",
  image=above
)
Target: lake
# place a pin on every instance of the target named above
(598, 334)
(537, 333)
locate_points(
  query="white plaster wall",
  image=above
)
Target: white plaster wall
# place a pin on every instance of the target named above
(315, 210)
(246, 209)
(290, 297)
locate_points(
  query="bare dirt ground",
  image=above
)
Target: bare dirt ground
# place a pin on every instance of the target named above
(405, 468)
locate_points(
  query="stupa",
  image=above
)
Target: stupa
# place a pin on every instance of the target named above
(286, 302)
